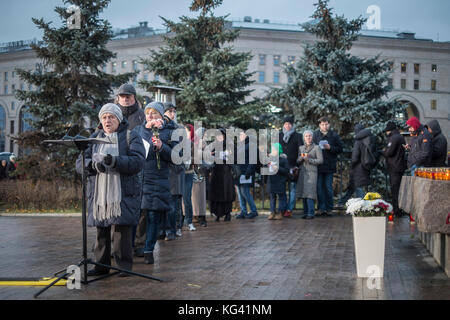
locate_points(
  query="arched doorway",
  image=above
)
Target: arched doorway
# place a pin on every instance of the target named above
(2, 128)
(24, 125)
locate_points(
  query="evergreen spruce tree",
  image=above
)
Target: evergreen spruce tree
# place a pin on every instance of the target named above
(199, 59)
(70, 89)
(329, 81)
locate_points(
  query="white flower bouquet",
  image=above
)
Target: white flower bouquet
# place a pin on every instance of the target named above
(371, 206)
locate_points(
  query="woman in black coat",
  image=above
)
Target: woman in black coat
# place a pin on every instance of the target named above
(113, 188)
(221, 193)
(156, 196)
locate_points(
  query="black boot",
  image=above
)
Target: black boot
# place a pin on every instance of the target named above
(217, 218)
(227, 217)
(148, 258)
(202, 220)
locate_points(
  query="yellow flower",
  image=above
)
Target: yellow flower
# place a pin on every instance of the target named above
(372, 196)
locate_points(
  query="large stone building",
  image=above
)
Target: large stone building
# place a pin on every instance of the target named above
(420, 77)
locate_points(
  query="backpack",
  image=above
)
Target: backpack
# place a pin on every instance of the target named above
(369, 155)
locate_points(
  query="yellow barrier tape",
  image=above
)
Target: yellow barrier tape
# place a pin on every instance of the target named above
(39, 282)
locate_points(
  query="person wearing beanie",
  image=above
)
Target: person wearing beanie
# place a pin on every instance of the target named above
(156, 196)
(114, 189)
(420, 149)
(331, 145)
(290, 141)
(277, 182)
(394, 153)
(309, 159)
(131, 110)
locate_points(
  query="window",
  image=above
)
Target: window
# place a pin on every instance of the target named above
(6, 76)
(276, 60)
(291, 59)
(433, 68)
(12, 127)
(262, 59)
(261, 78)
(30, 87)
(114, 66)
(135, 65)
(403, 83)
(290, 80)
(13, 106)
(104, 68)
(124, 64)
(156, 77)
(416, 68)
(22, 86)
(433, 104)
(6, 89)
(13, 73)
(13, 88)
(146, 76)
(276, 77)
(416, 84)
(403, 67)
(433, 85)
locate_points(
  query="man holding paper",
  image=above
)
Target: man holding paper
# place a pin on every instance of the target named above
(331, 145)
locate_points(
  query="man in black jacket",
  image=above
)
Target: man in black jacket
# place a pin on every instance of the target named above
(438, 143)
(131, 110)
(290, 141)
(133, 113)
(331, 145)
(394, 153)
(420, 149)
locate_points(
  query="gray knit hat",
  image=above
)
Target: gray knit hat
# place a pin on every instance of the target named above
(158, 106)
(113, 109)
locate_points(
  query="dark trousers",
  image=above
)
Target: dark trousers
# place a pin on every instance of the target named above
(122, 247)
(173, 221)
(282, 202)
(395, 179)
(154, 219)
(140, 231)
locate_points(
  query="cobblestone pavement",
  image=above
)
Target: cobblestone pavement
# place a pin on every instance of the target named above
(242, 259)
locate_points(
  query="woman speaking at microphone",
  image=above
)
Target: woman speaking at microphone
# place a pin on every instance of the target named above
(113, 188)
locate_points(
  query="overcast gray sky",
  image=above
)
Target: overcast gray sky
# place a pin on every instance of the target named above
(428, 19)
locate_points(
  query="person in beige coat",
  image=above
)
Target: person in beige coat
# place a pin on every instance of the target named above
(310, 157)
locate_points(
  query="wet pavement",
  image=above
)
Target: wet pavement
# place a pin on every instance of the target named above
(292, 259)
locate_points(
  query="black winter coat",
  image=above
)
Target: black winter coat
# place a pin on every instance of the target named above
(360, 176)
(277, 182)
(247, 169)
(395, 153)
(134, 115)
(290, 149)
(329, 156)
(156, 194)
(421, 149)
(129, 163)
(439, 145)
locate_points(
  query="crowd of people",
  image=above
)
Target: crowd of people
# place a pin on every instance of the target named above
(137, 194)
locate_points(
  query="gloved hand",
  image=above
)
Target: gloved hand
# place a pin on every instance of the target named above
(99, 167)
(108, 159)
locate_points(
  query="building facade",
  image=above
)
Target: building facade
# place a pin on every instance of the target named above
(420, 72)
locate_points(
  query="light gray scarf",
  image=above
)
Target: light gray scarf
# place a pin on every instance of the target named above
(107, 193)
(287, 134)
